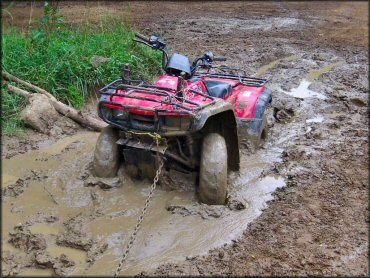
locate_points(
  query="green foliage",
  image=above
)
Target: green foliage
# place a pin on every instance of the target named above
(57, 58)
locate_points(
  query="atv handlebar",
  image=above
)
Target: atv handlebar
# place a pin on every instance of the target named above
(156, 43)
(142, 37)
(219, 59)
(205, 62)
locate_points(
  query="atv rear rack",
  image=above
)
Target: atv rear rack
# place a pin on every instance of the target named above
(181, 106)
(243, 79)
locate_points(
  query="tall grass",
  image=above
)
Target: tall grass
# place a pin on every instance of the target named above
(59, 60)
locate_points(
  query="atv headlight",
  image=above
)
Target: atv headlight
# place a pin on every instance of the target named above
(120, 114)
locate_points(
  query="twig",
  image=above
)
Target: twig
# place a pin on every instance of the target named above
(51, 195)
(19, 91)
(28, 85)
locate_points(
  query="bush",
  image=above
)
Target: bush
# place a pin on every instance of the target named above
(58, 59)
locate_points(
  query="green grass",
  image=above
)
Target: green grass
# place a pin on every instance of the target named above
(59, 60)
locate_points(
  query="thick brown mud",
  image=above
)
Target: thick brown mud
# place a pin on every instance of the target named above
(299, 205)
(60, 213)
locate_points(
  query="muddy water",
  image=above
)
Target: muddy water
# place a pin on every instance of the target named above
(36, 272)
(317, 73)
(303, 91)
(317, 119)
(265, 68)
(59, 190)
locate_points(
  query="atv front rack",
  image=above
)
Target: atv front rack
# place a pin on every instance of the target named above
(177, 101)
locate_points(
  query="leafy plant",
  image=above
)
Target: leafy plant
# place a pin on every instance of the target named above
(47, 23)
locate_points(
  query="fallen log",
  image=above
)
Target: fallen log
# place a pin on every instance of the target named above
(66, 110)
(11, 77)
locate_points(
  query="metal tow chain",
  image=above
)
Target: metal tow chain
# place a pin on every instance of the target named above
(143, 212)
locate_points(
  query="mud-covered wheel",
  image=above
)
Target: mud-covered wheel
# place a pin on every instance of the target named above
(106, 155)
(213, 170)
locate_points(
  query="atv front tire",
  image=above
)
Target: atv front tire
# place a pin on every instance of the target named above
(213, 170)
(106, 155)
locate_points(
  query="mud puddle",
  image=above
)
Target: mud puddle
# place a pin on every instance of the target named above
(266, 68)
(37, 272)
(303, 91)
(318, 119)
(91, 226)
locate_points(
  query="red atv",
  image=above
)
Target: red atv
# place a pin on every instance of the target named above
(198, 110)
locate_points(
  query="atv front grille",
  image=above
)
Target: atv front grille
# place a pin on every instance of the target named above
(142, 122)
(142, 118)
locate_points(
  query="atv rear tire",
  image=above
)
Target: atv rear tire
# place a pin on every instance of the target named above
(213, 170)
(106, 155)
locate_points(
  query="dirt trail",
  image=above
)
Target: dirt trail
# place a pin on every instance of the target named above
(316, 58)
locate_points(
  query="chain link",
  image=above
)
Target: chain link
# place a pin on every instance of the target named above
(143, 212)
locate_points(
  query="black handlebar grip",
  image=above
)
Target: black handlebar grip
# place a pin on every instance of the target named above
(219, 59)
(140, 36)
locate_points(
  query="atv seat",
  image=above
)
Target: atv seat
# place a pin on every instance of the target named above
(218, 89)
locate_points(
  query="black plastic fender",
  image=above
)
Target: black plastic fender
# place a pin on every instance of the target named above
(203, 115)
(255, 126)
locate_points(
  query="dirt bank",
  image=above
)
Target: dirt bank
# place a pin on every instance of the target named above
(316, 58)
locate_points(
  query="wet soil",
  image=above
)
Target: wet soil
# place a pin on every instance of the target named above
(299, 205)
